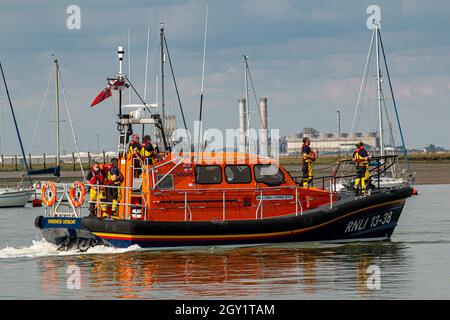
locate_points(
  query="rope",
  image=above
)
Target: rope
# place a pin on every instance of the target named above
(176, 89)
(363, 81)
(36, 126)
(75, 140)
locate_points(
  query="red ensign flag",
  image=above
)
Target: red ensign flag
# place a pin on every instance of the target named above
(106, 93)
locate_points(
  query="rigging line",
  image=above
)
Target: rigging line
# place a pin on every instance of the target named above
(364, 98)
(75, 139)
(364, 73)
(254, 92)
(203, 81)
(41, 109)
(176, 89)
(394, 103)
(138, 95)
(391, 132)
(159, 124)
(15, 123)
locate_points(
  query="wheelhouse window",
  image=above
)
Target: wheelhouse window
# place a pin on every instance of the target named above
(238, 174)
(165, 183)
(208, 174)
(268, 174)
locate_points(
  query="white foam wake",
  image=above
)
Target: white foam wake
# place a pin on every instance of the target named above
(43, 248)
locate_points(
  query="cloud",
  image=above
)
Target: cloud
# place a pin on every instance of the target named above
(307, 57)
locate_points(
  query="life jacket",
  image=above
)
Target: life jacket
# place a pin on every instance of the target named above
(358, 159)
(144, 152)
(132, 145)
(310, 154)
(109, 177)
(98, 177)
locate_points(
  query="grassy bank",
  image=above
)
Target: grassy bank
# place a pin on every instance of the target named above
(413, 157)
(285, 161)
(21, 167)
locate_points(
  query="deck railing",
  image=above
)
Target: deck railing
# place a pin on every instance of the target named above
(185, 200)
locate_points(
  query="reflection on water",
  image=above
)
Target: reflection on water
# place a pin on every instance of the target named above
(263, 272)
(414, 265)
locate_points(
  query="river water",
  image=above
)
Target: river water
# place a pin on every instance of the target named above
(415, 264)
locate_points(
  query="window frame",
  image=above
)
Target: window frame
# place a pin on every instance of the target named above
(269, 184)
(159, 183)
(207, 165)
(238, 165)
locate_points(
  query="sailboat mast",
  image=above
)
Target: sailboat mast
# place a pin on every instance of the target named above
(380, 110)
(58, 158)
(247, 125)
(163, 112)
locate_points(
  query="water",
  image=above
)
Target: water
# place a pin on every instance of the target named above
(414, 265)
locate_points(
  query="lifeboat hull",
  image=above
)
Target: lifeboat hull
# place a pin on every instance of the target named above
(371, 218)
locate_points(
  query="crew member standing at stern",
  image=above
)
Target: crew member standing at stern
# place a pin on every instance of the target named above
(308, 158)
(361, 159)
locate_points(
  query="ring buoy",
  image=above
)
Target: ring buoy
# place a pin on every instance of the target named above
(48, 192)
(77, 194)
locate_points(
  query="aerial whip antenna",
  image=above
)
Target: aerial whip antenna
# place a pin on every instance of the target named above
(146, 75)
(203, 79)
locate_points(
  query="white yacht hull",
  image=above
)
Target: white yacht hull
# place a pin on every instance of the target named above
(15, 198)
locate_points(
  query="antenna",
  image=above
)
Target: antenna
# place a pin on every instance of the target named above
(203, 78)
(129, 63)
(146, 72)
(163, 111)
(146, 65)
(120, 55)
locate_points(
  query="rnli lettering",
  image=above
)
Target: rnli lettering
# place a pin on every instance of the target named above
(369, 222)
(275, 197)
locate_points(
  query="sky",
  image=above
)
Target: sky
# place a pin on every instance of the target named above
(306, 57)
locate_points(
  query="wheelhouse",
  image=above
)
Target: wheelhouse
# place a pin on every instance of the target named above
(220, 186)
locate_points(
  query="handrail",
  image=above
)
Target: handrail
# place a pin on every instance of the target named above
(218, 201)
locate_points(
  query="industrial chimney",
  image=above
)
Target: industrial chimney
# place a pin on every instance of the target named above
(263, 128)
(242, 124)
(338, 123)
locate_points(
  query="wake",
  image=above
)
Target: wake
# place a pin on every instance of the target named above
(43, 248)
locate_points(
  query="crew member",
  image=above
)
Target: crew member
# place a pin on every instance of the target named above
(134, 146)
(113, 179)
(361, 159)
(134, 151)
(308, 158)
(95, 178)
(147, 150)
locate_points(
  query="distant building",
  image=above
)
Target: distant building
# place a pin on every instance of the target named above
(330, 142)
(433, 149)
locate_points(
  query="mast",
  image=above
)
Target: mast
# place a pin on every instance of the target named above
(58, 156)
(380, 112)
(247, 125)
(120, 55)
(15, 124)
(146, 76)
(163, 113)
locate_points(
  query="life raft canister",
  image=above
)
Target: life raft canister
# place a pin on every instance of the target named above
(48, 193)
(77, 194)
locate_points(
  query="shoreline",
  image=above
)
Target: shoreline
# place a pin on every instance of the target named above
(427, 172)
